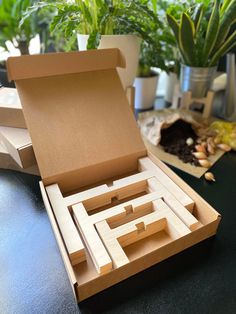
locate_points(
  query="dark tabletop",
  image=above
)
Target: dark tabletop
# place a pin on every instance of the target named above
(33, 279)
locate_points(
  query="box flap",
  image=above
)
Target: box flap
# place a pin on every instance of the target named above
(78, 116)
(35, 66)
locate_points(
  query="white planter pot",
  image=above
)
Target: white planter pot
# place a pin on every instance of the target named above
(145, 91)
(129, 45)
(171, 81)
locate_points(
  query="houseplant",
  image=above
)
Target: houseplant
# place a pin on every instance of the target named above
(11, 12)
(151, 56)
(104, 24)
(202, 36)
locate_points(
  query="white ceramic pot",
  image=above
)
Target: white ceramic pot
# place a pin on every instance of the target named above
(129, 46)
(145, 91)
(171, 81)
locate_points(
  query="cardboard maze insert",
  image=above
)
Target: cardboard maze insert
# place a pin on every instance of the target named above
(105, 224)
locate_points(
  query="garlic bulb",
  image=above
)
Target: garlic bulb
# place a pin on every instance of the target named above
(200, 155)
(189, 141)
(210, 149)
(209, 176)
(224, 147)
(200, 148)
(204, 163)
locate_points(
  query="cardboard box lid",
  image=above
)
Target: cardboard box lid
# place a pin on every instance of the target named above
(78, 116)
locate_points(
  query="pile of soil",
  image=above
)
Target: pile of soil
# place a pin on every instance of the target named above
(173, 141)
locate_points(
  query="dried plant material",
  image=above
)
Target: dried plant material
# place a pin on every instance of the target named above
(204, 163)
(189, 141)
(209, 176)
(199, 155)
(200, 148)
(224, 147)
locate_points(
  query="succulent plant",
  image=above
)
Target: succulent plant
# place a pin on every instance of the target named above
(203, 32)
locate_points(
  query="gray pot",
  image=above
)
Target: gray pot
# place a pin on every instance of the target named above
(196, 80)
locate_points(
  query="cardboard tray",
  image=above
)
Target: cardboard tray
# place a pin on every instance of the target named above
(11, 113)
(115, 209)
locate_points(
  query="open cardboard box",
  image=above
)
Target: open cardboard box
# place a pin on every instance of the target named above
(11, 113)
(115, 209)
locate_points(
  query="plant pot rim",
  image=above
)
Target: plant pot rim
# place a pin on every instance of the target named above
(189, 66)
(114, 35)
(148, 77)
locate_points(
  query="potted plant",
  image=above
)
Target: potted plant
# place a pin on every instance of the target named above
(147, 77)
(11, 12)
(104, 24)
(153, 55)
(202, 36)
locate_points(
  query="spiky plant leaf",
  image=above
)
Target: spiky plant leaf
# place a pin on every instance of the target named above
(173, 25)
(227, 19)
(225, 5)
(197, 15)
(186, 39)
(212, 31)
(227, 46)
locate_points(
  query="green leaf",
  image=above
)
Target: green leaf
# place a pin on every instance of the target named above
(212, 32)
(227, 19)
(94, 40)
(227, 46)
(197, 15)
(186, 39)
(225, 5)
(173, 25)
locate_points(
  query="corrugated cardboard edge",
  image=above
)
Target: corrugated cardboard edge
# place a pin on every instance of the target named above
(59, 240)
(106, 281)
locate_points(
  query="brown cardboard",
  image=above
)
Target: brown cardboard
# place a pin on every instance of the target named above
(143, 253)
(7, 162)
(18, 144)
(84, 132)
(11, 113)
(66, 96)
